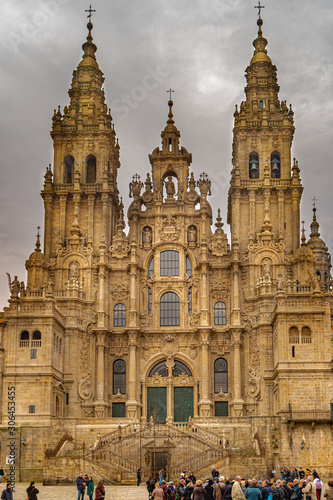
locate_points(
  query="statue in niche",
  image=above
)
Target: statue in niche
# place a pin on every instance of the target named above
(170, 187)
(191, 234)
(73, 271)
(147, 236)
(279, 284)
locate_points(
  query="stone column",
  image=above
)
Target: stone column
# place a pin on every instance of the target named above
(252, 218)
(295, 219)
(144, 401)
(48, 199)
(237, 402)
(132, 403)
(100, 404)
(281, 211)
(204, 402)
(195, 398)
(106, 217)
(63, 200)
(170, 363)
(91, 204)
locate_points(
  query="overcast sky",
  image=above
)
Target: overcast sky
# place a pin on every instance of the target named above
(201, 49)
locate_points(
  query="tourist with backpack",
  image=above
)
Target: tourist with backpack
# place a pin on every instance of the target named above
(171, 491)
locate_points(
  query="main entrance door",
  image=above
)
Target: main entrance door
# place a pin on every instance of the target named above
(183, 403)
(156, 404)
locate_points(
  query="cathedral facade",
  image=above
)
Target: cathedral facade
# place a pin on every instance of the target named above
(172, 324)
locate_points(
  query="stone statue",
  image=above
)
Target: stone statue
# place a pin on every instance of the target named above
(192, 234)
(147, 236)
(73, 270)
(170, 187)
(15, 287)
(279, 284)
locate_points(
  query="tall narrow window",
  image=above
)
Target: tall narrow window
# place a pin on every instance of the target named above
(119, 376)
(254, 166)
(151, 268)
(220, 375)
(169, 263)
(190, 300)
(119, 315)
(188, 267)
(69, 169)
(169, 309)
(275, 166)
(91, 169)
(57, 406)
(149, 300)
(220, 313)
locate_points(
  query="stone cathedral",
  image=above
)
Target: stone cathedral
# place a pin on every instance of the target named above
(170, 345)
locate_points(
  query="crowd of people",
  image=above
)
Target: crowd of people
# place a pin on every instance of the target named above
(293, 485)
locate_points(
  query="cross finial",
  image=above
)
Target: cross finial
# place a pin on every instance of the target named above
(170, 92)
(259, 7)
(90, 10)
(314, 199)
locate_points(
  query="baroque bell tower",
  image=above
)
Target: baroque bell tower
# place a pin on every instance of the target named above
(265, 190)
(82, 199)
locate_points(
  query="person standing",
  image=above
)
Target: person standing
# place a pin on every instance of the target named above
(7, 494)
(157, 493)
(253, 493)
(310, 489)
(32, 491)
(1, 474)
(100, 491)
(138, 477)
(90, 488)
(81, 486)
(199, 493)
(209, 489)
(161, 475)
(237, 492)
(171, 491)
(318, 484)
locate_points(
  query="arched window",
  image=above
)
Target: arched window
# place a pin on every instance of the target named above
(169, 263)
(293, 335)
(159, 369)
(178, 369)
(119, 315)
(69, 169)
(306, 335)
(220, 313)
(275, 166)
(91, 170)
(254, 166)
(24, 339)
(151, 268)
(169, 309)
(36, 339)
(119, 376)
(220, 375)
(188, 267)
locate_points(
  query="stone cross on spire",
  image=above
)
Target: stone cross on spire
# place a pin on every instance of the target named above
(314, 199)
(259, 7)
(170, 92)
(90, 10)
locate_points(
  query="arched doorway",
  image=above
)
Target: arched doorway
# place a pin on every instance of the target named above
(170, 392)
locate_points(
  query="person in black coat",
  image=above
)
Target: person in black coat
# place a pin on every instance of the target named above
(209, 488)
(32, 491)
(7, 494)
